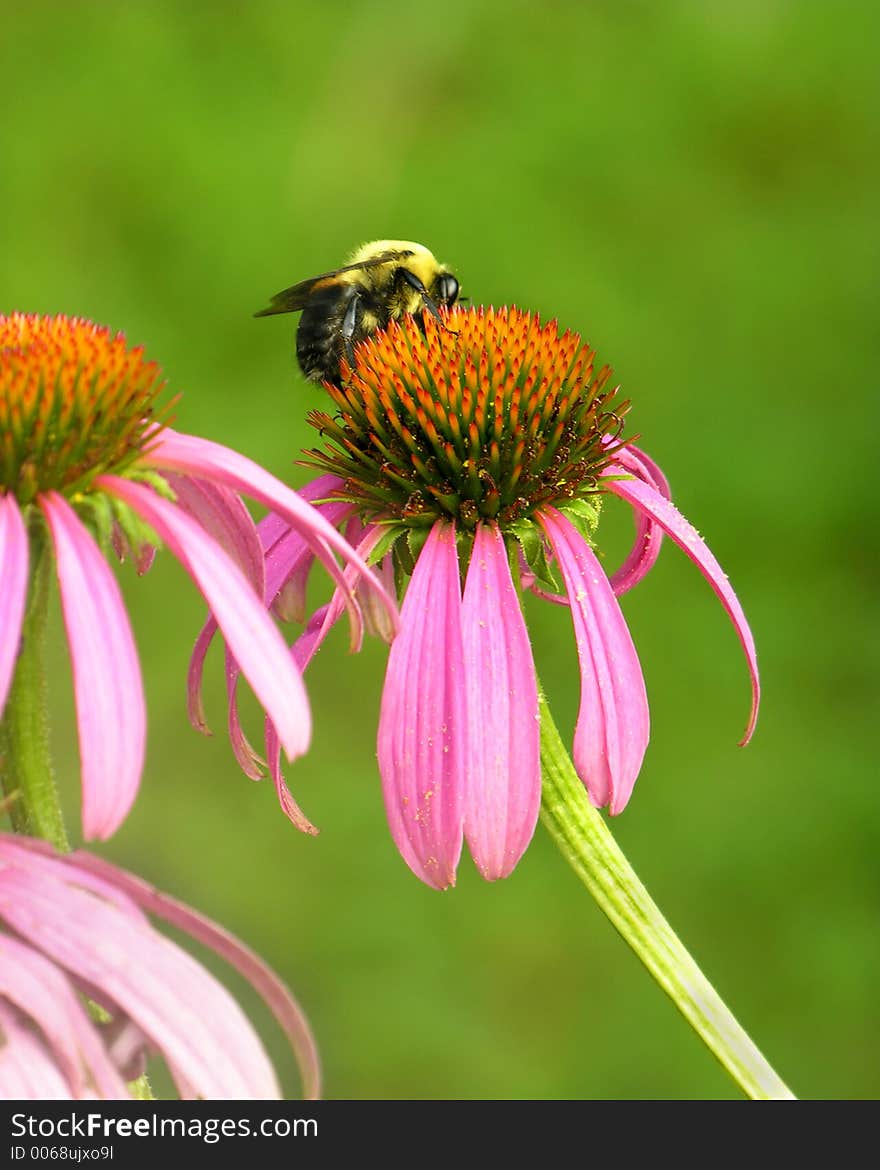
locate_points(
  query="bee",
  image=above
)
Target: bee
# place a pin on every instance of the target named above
(380, 283)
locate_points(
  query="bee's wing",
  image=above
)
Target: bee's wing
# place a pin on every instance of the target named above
(291, 300)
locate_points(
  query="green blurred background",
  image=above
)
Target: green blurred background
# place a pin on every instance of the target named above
(693, 186)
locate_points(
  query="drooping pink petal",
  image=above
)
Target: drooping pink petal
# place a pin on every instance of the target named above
(290, 600)
(39, 990)
(253, 639)
(422, 724)
(27, 1071)
(555, 598)
(247, 756)
(648, 500)
(503, 768)
(13, 589)
(222, 514)
(613, 724)
(110, 708)
(133, 898)
(288, 560)
(194, 706)
(305, 648)
(376, 617)
(649, 534)
(292, 556)
(200, 457)
(209, 1045)
(289, 557)
(126, 1045)
(275, 994)
(142, 555)
(272, 527)
(190, 455)
(289, 806)
(645, 468)
(379, 616)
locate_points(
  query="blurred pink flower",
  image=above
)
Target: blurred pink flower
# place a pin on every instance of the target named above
(75, 928)
(83, 451)
(474, 459)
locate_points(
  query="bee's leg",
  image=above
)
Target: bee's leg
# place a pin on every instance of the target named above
(349, 324)
(413, 281)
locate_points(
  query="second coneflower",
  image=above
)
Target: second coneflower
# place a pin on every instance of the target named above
(87, 463)
(471, 458)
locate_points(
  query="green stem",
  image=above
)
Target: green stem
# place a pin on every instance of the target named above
(26, 772)
(588, 846)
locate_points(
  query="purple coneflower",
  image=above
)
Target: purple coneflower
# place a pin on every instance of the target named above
(87, 460)
(74, 926)
(473, 459)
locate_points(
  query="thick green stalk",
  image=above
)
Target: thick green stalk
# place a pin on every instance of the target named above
(26, 772)
(587, 844)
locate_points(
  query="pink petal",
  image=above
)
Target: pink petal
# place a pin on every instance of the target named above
(612, 726)
(278, 566)
(27, 1071)
(253, 639)
(649, 534)
(422, 722)
(290, 600)
(651, 502)
(40, 991)
(110, 709)
(194, 706)
(379, 616)
(503, 767)
(248, 758)
(376, 617)
(289, 807)
(210, 1047)
(143, 555)
(222, 514)
(272, 527)
(288, 560)
(289, 557)
(13, 589)
(645, 468)
(555, 598)
(292, 557)
(275, 994)
(304, 649)
(200, 457)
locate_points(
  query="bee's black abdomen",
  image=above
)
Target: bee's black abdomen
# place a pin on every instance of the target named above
(319, 342)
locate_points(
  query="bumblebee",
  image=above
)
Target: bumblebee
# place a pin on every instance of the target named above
(381, 282)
